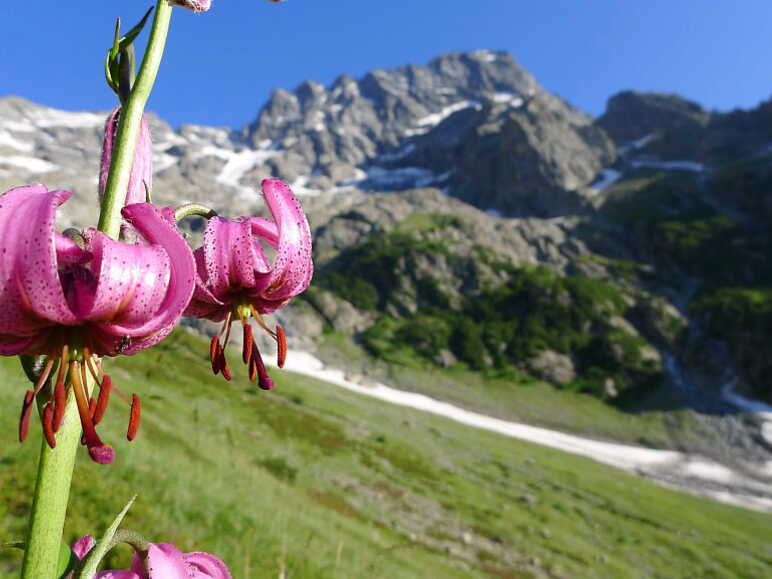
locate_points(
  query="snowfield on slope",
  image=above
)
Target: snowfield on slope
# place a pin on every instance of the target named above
(684, 471)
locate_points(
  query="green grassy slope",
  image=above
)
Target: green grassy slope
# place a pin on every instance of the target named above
(325, 483)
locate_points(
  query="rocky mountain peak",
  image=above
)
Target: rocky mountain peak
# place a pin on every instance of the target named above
(632, 115)
(381, 132)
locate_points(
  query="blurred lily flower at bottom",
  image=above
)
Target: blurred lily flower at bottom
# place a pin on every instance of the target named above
(161, 561)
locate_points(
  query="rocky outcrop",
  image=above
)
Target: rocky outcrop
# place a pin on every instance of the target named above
(632, 115)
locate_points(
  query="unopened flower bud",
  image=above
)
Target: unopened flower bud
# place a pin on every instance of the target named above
(141, 177)
(195, 5)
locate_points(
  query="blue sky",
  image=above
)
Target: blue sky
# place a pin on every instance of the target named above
(221, 66)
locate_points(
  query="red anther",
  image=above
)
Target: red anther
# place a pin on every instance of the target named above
(26, 407)
(281, 345)
(133, 418)
(104, 396)
(226, 373)
(60, 403)
(214, 350)
(48, 425)
(252, 366)
(247, 348)
(263, 379)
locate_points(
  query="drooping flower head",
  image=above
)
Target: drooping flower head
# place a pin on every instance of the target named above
(141, 176)
(161, 561)
(236, 281)
(194, 5)
(75, 300)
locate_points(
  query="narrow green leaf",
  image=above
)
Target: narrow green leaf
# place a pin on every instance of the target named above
(95, 556)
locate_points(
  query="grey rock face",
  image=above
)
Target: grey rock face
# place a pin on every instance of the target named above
(553, 367)
(476, 124)
(343, 221)
(633, 115)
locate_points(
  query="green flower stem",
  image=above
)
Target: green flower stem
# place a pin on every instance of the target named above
(52, 491)
(52, 488)
(194, 209)
(129, 121)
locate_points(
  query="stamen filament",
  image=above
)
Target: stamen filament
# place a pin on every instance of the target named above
(261, 323)
(227, 331)
(44, 375)
(225, 324)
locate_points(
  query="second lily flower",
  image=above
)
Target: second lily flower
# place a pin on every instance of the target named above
(236, 281)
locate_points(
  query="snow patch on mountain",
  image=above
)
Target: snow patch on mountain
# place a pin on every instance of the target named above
(31, 164)
(398, 154)
(8, 140)
(605, 180)
(513, 100)
(668, 165)
(425, 124)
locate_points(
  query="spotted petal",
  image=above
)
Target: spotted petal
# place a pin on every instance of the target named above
(204, 565)
(164, 561)
(292, 270)
(158, 231)
(130, 281)
(30, 289)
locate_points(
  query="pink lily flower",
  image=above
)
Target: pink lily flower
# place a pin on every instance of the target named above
(236, 281)
(141, 177)
(75, 303)
(194, 5)
(161, 561)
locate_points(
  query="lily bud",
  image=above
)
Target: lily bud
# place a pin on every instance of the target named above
(195, 5)
(141, 177)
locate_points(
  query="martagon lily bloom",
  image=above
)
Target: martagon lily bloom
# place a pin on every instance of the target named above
(235, 280)
(161, 561)
(77, 299)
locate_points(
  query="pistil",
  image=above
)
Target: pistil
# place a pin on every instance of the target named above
(99, 452)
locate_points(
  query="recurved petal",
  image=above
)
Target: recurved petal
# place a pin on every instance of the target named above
(204, 565)
(157, 231)
(68, 252)
(265, 229)
(233, 259)
(106, 342)
(130, 281)
(14, 347)
(30, 290)
(293, 268)
(203, 304)
(164, 561)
